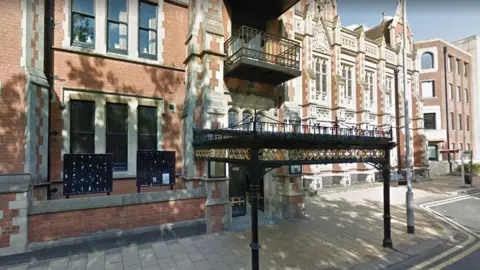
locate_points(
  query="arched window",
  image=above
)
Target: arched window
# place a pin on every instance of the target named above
(427, 60)
(246, 115)
(232, 118)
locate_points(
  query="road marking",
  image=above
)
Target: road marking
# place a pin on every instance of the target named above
(457, 258)
(470, 234)
(458, 198)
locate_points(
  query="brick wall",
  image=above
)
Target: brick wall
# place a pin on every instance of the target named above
(122, 186)
(103, 74)
(456, 136)
(13, 223)
(12, 91)
(53, 226)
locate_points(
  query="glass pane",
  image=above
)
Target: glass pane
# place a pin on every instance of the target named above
(82, 143)
(117, 36)
(295, 169)
(147, 120)
(432, 152)
(317, 66)
(83, 6)
(117, 117)
(147, 142)
(117, 10)
(324, 83)
(232, 118)
(324, 67)
(83, 29)
(216, 169)
(118, 146)
(148, 15)
(82, 115)
(148, 42)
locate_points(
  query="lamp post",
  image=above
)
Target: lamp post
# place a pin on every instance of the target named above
(410, 215)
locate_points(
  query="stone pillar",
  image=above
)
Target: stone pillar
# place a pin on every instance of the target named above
(37, 89)
(205, 103)
(293, 199)
(15, 197)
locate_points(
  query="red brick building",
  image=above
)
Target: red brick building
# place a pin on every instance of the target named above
(98, 76)
(446, 87)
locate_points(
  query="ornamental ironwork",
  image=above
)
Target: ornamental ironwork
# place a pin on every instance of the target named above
(319, 154)
(240, 154)
(259, 146)
(258, 45)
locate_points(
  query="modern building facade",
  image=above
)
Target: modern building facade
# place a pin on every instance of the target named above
(472, 46)
(446, 89)
(99, 76)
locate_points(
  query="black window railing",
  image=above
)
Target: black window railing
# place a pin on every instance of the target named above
(261, 46)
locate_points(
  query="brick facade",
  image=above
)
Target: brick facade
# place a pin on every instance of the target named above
(60, 225)
(185, 81)
(12, 91)
(442, 80)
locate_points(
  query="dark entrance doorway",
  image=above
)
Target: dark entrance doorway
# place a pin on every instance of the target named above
(237, 190)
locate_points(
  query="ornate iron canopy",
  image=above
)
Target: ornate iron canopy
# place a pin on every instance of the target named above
(284, 143)
(259, 145)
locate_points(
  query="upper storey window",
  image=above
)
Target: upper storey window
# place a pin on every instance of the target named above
(83, 23)
(117, 26)
(320, 79)
(427, 60)
(147, 36)
(347, 75)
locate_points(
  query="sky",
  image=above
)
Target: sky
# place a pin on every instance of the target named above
(449, 20)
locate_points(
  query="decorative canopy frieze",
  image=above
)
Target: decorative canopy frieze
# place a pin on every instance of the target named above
(292, 143)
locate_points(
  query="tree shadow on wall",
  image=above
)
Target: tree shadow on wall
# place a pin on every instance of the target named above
(115, 76)
(12, 124)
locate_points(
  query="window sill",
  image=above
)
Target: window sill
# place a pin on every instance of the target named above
(124, 175)
(115, 56)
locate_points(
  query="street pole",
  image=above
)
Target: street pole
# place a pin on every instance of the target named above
(410, 216)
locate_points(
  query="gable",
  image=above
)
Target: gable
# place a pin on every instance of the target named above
(320, 39)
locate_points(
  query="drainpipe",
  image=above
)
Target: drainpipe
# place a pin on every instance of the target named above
(445, 55)
(48, 69)
(397, 113)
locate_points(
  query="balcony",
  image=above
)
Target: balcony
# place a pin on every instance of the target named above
(261, 57)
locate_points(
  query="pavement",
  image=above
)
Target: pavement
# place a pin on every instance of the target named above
(342, 230)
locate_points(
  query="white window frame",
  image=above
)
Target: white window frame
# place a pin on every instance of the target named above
(101, 100)
(432, 94)
(370, 76)
(101, 41)
(349, 80)
(321, 92)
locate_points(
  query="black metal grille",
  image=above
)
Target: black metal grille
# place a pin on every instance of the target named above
(257, 45)
(284, 129)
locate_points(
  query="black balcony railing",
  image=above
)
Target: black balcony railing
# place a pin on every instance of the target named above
(260, 46)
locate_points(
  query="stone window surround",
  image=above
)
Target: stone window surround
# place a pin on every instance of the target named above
(373, 107)
(101, 42)
(328, 58)
(435, 95)
(352, 66)
(434, 51)
(100, 131)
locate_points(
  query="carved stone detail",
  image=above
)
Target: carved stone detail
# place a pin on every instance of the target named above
(320, 42)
